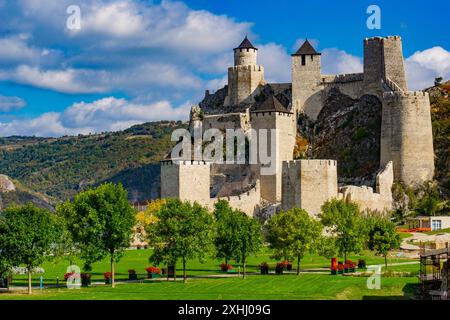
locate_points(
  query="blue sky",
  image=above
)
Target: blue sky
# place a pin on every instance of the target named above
(136, 61)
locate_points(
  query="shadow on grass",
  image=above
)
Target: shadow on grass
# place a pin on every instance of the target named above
(410, 291)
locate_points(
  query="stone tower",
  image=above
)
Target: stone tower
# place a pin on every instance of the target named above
(383, 65)
(245, 77)
(306, 79)
(307, 184)
(186, 180)
(406, 133)
(273, 115)
(407, 137)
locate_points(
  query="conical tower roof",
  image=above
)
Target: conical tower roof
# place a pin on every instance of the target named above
(306, 48)
(246, 44)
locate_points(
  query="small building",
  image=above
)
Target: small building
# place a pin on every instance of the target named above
(432, 222)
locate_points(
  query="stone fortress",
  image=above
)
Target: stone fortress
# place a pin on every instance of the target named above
(406, 152)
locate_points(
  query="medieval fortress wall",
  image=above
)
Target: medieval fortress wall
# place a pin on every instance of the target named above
(406, 136)
(307, 184)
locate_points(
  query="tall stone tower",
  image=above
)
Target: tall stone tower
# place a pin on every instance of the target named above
(383, 65)
(245, 76)
(407, 137)
(306, 78)
(186, 180)
(406, 133)
(273, 115)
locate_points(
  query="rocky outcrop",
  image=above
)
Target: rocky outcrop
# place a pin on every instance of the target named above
(347, 130)
(6, 185)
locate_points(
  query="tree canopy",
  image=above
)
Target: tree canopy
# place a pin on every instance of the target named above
(101, 222)
(28, 235)
(182, 231)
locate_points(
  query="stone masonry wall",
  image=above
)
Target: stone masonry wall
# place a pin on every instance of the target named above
(406, 136)
(307, 184)
(366, 198)
(285, 124)
(243, 82)
(306, 88)
(188, 181)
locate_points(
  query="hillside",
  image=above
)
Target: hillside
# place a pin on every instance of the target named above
(57, 168)
(440, 117)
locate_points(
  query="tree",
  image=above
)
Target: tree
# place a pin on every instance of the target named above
(248, 231)
(343, 220)
(101, 222)
(28, 236)
(438, 81)
(294, 233)
(182, 231)
(227, 223)
(382, 236)
(148, 216)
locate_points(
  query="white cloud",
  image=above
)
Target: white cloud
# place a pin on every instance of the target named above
(107, 114)
(276, 62)
(11, 103)
(424, 66)
(335, 61)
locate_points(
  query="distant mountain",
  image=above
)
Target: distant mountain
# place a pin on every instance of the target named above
(58, 168)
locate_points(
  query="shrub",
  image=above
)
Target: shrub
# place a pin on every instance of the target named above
(132, 271)
(107, 275)
(86, 276)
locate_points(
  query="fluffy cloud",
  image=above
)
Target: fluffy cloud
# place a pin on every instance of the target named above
(335, 61)
(11, 103)
(123, 45)
(107, 114)
(424, 66)
(276, 62)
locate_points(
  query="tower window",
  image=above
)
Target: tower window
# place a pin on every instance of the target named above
(303, 60)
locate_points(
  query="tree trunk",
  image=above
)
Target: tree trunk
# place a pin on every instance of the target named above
(184, 270)
(345, 256)
(226, 260)
(385, 261)
(243, 269)
(298, 265)
(29, 280)
(112, 273)
(174, 272)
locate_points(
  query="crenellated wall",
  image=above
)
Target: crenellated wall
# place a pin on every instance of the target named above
(186, 180)
(307, 184)
(243, 84)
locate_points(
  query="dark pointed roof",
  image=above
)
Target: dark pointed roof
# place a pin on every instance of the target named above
(246, 44)
(306, 48)
(271, 104)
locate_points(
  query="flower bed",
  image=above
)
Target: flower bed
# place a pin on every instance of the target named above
(226, 267)
(152, 272)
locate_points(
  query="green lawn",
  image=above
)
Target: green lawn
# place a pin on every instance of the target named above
(306, 286)
(269, 287)
(438, 231)
(138, 260)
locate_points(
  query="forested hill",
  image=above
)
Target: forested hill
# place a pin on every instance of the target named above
(58, 168)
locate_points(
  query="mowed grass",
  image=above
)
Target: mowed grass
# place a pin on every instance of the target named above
(254, 287)
(138, 260)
